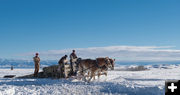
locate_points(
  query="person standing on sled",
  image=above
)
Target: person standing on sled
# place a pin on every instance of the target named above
(73, 59)
(61, 63)
(36, 63)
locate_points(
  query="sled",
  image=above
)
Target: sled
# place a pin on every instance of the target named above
(53, 71)
(9, 76)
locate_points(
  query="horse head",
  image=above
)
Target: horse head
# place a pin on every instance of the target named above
(78, 60)
(112, 63)
(109, 63)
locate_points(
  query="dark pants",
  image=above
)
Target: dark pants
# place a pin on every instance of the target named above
(36, 69)
(72, 68)
(61, 70)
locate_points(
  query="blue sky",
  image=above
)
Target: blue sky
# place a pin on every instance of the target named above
(42, 25)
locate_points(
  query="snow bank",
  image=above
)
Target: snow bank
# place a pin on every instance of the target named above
(148, 82)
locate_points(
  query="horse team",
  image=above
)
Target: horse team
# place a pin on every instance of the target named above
(88, 68)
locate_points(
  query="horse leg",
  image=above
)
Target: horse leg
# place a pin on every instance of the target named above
(92, 75)
(81, 73)
(105, 73)
(99, 74)
(84, 76)
(88, 74)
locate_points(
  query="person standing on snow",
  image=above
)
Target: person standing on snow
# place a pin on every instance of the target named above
(73, 59)
(36, 63)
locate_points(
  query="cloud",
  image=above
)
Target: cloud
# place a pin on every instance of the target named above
(120, 53)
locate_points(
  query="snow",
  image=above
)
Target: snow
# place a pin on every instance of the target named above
(118, 82)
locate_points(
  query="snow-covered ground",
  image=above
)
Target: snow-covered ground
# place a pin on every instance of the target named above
(118, 82)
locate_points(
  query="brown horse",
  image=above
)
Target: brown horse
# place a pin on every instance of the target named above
(92, 66)
(104, 69)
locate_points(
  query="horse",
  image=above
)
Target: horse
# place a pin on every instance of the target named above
(92, 66)
(104, 69)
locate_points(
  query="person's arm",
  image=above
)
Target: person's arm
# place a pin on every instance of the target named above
(34, 59)
(39, 59)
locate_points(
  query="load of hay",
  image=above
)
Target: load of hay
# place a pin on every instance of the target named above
(51, 71)
(54, 71)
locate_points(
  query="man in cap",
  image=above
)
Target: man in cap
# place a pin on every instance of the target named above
(36, 63)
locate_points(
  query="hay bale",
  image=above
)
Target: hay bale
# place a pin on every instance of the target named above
(51, 71)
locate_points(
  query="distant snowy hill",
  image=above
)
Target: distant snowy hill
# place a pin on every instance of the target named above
(5, 63)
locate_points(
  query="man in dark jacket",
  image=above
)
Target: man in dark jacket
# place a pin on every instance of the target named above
(73, 59)
(62, 60)
(61, 63)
